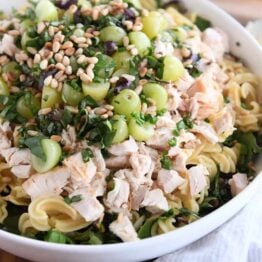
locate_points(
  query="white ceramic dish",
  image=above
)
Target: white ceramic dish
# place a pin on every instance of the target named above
(150, 248)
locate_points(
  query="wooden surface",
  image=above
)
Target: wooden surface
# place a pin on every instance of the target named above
(243, 10)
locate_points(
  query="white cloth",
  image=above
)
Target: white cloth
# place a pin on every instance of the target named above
(239, 240)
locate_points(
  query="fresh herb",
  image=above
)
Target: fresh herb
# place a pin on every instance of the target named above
(184, 124)
(161, 112)
(172, 141)
(88, 237)
(58, 237)
(8, 111)
(87, 101)
(74, 199)
(87, 154)
(202, 23)
(142, 118)
(165, 161)
(104, 67)
(194, 71)
(35, 146)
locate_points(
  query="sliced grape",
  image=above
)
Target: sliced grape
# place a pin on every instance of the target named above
(140, 41)
(121, 128)
(71, 96)
(112, 33)
(46, 11)
(27, 109)
(157, 93)
(4, 90)
(84, 3)
(126, 102)
(153, 24)
(173, 69)
(53, 154)
(50, 97)
(120, 72)
(98, 91)
(122, 60)
(140, 132)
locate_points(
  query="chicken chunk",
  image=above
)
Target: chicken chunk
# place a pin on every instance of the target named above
(118, 197)
(197, 179)
(238, 183)
(98, 159)
(169, 180)
(22, 171)
(138, 196)
(217, 40)
(125, 148)
(141, 164)
(207, 131)
(117, 162)
(123, 228)
(88, 207)
(82, 173)
(155, 202)
(50, 183)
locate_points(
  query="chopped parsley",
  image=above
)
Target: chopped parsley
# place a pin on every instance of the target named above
(73, 199)
(172, 141)
(87, 154)
(165, 161)
(202, 23)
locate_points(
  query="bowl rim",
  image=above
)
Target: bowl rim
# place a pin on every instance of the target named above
(247, 193)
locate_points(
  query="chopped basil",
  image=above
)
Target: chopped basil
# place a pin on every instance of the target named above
(74, 199)
(165, 161)
(87, 154)
(172, 141)
(35, 146)
(202, 23)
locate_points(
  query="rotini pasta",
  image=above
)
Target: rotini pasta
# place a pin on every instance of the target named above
(3, 211)
(53, 212)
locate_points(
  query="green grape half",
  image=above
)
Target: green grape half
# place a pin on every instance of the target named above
(122, 60)
(126, 102)
(140, 132)
(11, 68)
(4, 90)
(71, 96)
(173, 68)
(27, 107)
(112, 33)
(157, 93)
(121, 128)
(53, 154)
(140, 41)
(46, 11)
(98, 91)
(84, 3)
(153, 24)
(50, 97)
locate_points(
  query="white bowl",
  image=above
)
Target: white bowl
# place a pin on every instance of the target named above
(153, 247)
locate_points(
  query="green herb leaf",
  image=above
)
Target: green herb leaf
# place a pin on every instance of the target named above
(35, 146)
(74, 199)
(87, 154)
(172, 141)
(58, 237)
(165, 161)
(202, 23)
(145, 229)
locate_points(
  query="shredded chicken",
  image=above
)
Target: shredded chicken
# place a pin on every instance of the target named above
(117, 198)
(197, 179)
(125, 148)
(50, 183)
(88, 206)
(117, 162)
(123, 228)
(169, 180)
(238, 183)
(81, 173)
(155, 202)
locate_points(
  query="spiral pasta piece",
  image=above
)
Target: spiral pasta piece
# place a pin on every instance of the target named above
(162, 226)
(25, 226)
(3, 210)
(18, 196)
(53, 212)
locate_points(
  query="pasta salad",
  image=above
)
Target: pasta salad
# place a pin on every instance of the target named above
(119, 120)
